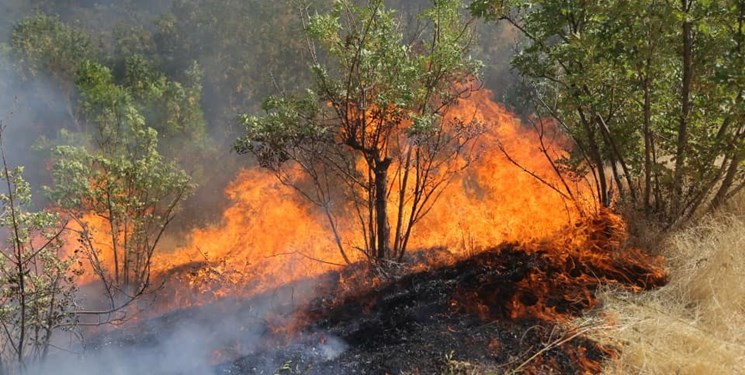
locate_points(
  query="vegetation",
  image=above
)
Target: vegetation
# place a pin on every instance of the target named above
(44, 46)
(379, 102)
(37, 278)
(120, 177)
(650, 92)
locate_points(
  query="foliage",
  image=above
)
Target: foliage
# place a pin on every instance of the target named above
(46, 45)
(172, 108)
(245, 48)
(650, 91)
(117, 175)
(135, 192)
(36, 277)
(45, 54)
(106, 94)
(376, 105)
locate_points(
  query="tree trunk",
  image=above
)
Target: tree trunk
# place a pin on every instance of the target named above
(381, 207)
(647, 141)
(729, 178)
(596, 158)
(605, 130)
(685, 100)
(737, 156)
(400, 238)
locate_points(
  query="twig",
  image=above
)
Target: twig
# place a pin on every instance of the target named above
(556, 343)
(306, 256)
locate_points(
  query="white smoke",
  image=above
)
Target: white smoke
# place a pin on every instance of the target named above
(198, 341)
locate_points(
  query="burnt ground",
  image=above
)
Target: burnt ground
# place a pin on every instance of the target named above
(492, 312)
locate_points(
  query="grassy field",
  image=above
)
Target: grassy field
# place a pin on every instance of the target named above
(695, 324)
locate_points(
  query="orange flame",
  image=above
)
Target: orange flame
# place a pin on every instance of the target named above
(269, 236)
(495, 201)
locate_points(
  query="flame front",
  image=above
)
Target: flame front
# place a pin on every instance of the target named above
(267, 237)
(270, 236)
(553, 257)
(494, 201)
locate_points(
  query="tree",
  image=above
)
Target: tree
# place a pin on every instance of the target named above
(116, 175)
(172, 108)
(245, 47)
(371, 129)
(650, 91)
(37, 279)
(45, 46)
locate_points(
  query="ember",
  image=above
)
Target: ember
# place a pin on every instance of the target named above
(492, 308)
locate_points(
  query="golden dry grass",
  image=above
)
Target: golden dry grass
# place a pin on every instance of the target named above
(695, 324)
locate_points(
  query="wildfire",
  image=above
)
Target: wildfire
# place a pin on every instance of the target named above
(270, 236)
(494, 201)
(553, 257)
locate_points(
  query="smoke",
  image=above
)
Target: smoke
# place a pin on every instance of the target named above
(32, 112)
(198, 341)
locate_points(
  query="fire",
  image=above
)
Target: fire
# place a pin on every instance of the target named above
(98, 233)
(267, 238)
(552, 258)
(494, 201)
(270, 236)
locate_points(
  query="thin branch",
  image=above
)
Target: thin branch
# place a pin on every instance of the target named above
(305, 256)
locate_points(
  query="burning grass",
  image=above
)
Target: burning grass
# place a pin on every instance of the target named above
(695, 324)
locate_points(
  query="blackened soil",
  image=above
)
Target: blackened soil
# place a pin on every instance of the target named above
(492, 312)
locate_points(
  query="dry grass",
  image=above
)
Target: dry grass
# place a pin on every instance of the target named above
(695, 324)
